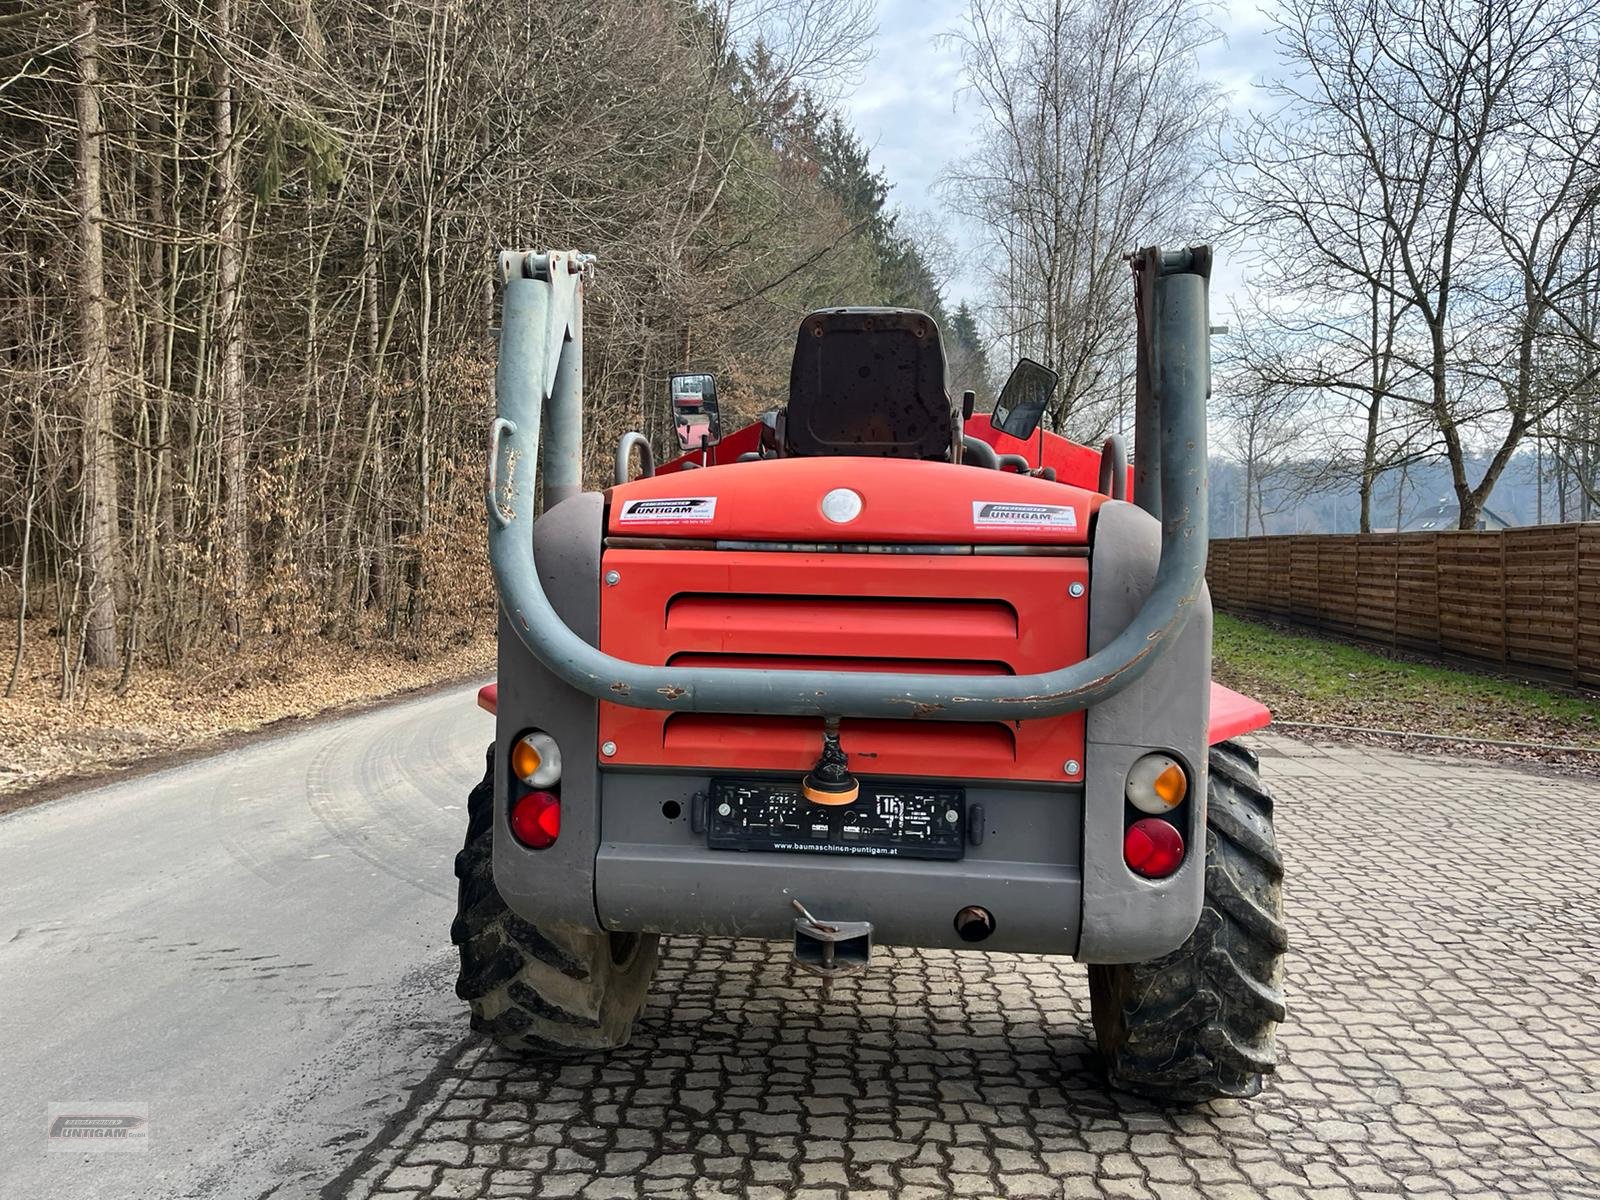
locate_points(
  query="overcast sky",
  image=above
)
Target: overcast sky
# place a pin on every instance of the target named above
(910, 110)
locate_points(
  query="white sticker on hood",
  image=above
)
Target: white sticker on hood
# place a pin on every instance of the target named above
(680, 508)
(1024, 516)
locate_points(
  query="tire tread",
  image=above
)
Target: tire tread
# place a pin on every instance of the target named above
(547, 991)
(1200, 1023)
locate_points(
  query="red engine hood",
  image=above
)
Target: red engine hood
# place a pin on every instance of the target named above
(902, 501)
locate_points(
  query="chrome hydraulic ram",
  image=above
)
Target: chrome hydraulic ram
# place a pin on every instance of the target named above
(540, 329)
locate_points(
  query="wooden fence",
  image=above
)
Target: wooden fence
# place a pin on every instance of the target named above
(1523, 598)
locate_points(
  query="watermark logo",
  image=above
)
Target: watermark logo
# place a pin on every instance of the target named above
(97, 1127)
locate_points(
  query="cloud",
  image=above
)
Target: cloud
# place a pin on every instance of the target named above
(906, 108)
(911, 113)
(1246, 56)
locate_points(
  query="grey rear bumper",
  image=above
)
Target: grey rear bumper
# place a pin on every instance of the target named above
(1063, 888)
(654, 874)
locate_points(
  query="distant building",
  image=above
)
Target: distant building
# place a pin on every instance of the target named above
(1446, 514)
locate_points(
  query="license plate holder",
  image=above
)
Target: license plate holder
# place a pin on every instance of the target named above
(888, 820)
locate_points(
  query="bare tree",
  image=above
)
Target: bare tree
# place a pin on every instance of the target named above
(1269, 430)
(1427, 165)
(1343, 366)
(101, 561)
(1092, 118)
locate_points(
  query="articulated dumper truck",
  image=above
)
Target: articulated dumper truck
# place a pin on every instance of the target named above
(874, 668)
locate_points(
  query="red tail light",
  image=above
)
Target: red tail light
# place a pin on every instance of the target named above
(1153, 848)
(536, 819)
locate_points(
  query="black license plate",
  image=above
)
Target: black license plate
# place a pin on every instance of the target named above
(891, 820)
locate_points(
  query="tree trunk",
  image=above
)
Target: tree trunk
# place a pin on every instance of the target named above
(1369, 467)
(230, 398)
(1369, 448)
(1249, 477)
(1449, 430)
(101, 559)
(1523, 415)
(22, 562)
(431, 148)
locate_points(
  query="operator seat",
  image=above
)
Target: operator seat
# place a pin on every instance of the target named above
(869, 381)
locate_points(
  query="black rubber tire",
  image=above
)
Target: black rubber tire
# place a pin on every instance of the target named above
(551, 990)
(1200, 1023)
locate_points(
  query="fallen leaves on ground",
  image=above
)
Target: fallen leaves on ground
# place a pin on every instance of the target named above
(44, 739)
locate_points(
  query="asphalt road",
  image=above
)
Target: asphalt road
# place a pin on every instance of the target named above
(256, 948)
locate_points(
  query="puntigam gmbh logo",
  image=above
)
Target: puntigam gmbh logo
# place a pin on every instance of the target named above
(98, 1127)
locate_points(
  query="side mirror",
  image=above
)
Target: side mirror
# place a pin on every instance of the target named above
(969, 401)
(694, 411)
(1022, 401)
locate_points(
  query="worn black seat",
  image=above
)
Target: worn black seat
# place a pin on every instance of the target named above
(869, 381)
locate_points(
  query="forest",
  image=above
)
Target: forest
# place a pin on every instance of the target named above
(248, 302)
(247, 299)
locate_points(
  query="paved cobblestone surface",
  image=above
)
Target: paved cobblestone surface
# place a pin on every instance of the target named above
(1444, 1039)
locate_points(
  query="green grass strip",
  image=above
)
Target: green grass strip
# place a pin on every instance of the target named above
(1304, 677)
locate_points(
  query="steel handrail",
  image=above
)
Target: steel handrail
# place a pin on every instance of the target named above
(533, 326)
(631, 441)
(1114, 467)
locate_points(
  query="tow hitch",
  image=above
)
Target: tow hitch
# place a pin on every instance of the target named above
(830, 948)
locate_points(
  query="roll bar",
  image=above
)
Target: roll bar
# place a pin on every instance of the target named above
(540, 366)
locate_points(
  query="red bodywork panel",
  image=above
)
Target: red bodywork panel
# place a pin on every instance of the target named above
(728, 450)
(903, 501)
(933, 613)
(977, 614)
(1074, 464)
(1233, 714)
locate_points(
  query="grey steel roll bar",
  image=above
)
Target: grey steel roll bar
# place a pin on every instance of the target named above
(541, 367)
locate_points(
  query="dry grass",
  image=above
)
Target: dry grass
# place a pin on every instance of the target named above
(44, 740)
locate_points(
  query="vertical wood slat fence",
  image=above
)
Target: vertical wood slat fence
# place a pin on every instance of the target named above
(1521, 598)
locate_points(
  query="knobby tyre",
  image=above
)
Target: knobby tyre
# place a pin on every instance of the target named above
(551, 989)
(1201, 1022)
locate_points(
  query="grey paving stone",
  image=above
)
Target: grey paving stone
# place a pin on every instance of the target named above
(409, 1177)
(1443, 1040)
